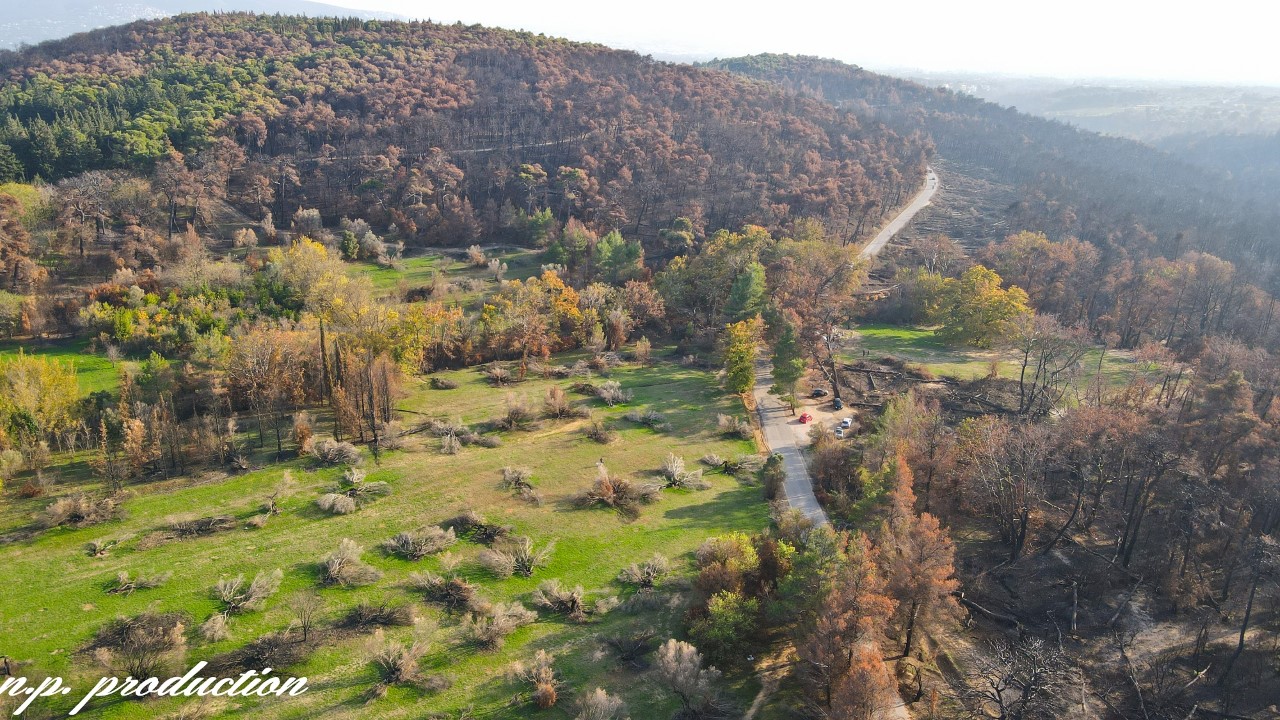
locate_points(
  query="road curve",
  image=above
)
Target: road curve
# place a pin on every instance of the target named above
(783, 433)
(900, 221)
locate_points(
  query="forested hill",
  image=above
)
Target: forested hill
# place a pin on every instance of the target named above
(1072, 182)
(443, 131)
(31, 23)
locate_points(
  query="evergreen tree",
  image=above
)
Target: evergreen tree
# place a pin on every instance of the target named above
(788, 360)
(746, 297)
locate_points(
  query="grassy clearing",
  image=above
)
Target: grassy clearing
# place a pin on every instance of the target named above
(920, 345)
(418, 271)
(62, 602)
(93, 372)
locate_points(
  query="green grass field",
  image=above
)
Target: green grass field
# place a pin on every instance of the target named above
(93, 372)
(920, 346)
(57, 601)
(418, 271)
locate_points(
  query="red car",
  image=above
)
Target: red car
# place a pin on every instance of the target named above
(805, 418)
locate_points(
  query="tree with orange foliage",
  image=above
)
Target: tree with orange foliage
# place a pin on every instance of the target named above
(866, 689)
(919, 558)
(851, 620)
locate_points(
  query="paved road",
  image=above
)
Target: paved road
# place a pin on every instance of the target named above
(783, 432)
(785, 435)
(895, 225)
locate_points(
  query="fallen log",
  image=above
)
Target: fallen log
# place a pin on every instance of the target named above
(989, 614)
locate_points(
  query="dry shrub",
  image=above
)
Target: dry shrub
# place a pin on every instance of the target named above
(556, 405)
(304, 433)
(498, 375)
(273, 650)
(415, 546)
(237, 597)
(450, 445)
(215, 629)
(675, 475)
(516, 556)
(553, 596)
(397, 663)
(344, 567)
(632, 647)
(734, 426)
(443, 428)
(680, 669)
(611, 393)
(650, 419)
(622, 495)
(487, 441)
(367, 614)
(197, 527)
(443, 383)
(336, 504)
(514, 478)
(599, 705)
(126, 585)
(476, 257)
(742, 466)
(489, 630)
(142, 645)
(100, 548)
(473, 526)
(335, 452)
(35, 487)
(79, 510)
(352, 493)
(390, 436)
(540, 675)
(518, 415)
(584, 388)
(453, 592)
(519, 481)
(600, 432)
(646, 575)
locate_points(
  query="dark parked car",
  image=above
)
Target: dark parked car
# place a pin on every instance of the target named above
(818, 392)
(837, 404)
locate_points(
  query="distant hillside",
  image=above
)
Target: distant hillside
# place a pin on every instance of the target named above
(445, 131)
(1146, 111)
(1111, 191)
(1252, 159)
(31, 23)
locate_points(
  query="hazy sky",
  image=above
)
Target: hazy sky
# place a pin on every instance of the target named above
(1230, 41)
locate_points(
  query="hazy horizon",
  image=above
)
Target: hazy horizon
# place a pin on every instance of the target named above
(1090, 40)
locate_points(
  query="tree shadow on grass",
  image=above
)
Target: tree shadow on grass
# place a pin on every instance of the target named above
(737, 508)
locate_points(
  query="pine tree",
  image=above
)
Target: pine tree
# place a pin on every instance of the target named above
(788, 361)
(919, 558)
(747, 294)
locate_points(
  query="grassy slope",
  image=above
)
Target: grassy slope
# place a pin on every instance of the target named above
(919, 345)
(93, 372)
(61, 602)
(417, 271)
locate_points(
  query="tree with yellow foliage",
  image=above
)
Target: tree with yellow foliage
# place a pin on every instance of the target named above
(38, 397)
(740, 346)
(975, 310)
